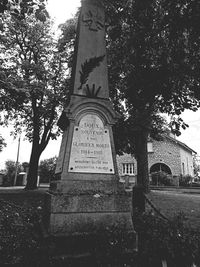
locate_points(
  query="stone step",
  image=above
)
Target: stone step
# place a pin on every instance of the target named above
(87, 259)
(89, 250)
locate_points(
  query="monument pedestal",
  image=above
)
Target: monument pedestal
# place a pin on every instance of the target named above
(89, 208)
(88, 197)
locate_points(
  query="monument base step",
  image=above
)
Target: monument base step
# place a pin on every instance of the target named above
(93, 250)
(89, 213)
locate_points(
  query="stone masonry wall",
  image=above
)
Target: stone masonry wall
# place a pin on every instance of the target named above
(186, 162)
(167, 152)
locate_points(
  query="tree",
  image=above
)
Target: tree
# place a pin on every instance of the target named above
(156, 47)
(2, 143)
(196, 165)
(47, 170)
(157, 69)
(19, 9)
(10, 172)
(33, 81)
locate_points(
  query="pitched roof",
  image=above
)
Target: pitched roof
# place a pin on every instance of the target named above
(180, 143)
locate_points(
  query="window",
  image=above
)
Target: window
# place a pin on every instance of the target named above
(150, 147)
(128, 168)
(183, 168)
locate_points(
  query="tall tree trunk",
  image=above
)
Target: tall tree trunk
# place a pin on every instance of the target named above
(38, 145)
(142, 159)
(33, 167)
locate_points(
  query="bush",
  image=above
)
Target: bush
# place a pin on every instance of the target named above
(8, 180)
(161, 178)
(162, 239)
(185, 180)
(47, 170)
(19, 235)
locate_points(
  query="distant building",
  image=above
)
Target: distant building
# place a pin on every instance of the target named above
(168, 155)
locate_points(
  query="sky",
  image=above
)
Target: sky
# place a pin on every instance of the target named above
(61, 10)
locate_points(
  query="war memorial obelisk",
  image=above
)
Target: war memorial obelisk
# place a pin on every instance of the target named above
(87, 197)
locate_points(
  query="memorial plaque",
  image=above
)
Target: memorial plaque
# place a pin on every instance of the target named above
(91, 148)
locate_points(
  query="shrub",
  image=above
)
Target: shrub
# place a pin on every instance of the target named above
(162, 239)
(8, 178)
(19, 235)
(47, 170)
(185, 180)
(161, 178)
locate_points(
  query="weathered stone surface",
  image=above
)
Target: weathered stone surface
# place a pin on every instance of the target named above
(91, 147)
(90, 203)
(92, 186)
(88, 196)
(91, 46)
(79, 223)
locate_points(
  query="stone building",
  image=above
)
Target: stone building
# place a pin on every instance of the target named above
(169, 155)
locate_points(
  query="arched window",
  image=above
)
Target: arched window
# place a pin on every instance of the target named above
(160, 167)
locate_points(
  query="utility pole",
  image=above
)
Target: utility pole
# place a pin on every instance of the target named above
(17, 161)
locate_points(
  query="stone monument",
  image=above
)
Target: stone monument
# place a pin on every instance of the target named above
(87, 197)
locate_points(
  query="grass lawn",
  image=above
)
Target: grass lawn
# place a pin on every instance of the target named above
(170, 203)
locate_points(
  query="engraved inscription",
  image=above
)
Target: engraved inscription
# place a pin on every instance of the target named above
(91, 148)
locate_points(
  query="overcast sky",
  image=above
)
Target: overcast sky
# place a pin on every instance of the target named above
(61, 10)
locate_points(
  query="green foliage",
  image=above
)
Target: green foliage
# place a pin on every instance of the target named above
(22, 241)
(196, 166)
(47, 170)
(68, 32)
(157, 66)
(19, 235)
(19, 9)
(8, 178)
(2, 143)
(156, 70)
(185, 180)
(171, 240)
(111, 246)
(161, 178)
(34, 82)
(34, 79)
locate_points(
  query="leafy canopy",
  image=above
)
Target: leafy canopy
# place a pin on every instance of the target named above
(33, 74)
(20, 8)
(156, 47)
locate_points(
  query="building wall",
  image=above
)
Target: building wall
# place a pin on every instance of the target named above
(167, 152)
(186, 162)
